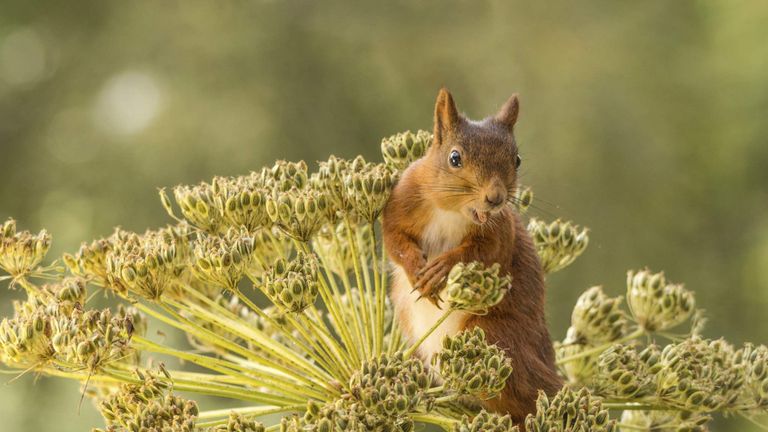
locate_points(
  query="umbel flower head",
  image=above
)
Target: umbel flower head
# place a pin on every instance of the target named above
(239, 423)
(299, 213)
(199, 204)
(61, 331)
(570, 411)
(344, 415)
(148, 407)
(292, 284)
(558, 243)
(329, 179)
(390, 386)
(21, 252)
(475, 288)
(597, 318)
(401, 149)
(755, 362)
(581, 369)
(699, 375)
(663, 421)
(655, 304)
(242, 201)
(149, 264)
(90, 262)
(523, 198)
(284, 176)
(486, 422)
(469, 365)
(223, 260)
(625, 373)
(367, 187)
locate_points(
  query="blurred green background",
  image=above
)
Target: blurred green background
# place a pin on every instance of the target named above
(646, 121)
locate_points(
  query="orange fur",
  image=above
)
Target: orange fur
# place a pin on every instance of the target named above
(487, 231)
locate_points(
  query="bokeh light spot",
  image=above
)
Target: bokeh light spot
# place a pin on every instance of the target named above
(128, 103)
(22, 57)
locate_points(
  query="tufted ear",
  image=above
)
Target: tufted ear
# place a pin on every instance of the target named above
(446, 115)
(507, 115)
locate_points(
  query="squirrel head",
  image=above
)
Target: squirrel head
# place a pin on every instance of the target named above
(473, 164)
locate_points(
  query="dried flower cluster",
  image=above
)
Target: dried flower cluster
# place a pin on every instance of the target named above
(278, 280)
(558, 243)
(469, 365)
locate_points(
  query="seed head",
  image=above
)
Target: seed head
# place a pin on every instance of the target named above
(367, 187)
(598, 318)
(558, 243)
(292, 284)
(578, 371)
(699, 375)
(754, 360)
(655, 304)
(284, 176)
(242, 200)
(523, 199)
(401, 149)
(569, 411)
(390, 386)
(147, 265)
(223, 260)
(469, 365)
(239, 423)
(475, 288)
(148, 407)
(486, 422)
(299, 213)
(42, 331)
(625, 373)
(21, 252)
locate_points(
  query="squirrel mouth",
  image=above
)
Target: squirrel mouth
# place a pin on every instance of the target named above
(479, 217)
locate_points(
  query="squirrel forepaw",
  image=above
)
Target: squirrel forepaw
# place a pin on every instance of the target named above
(430, 280)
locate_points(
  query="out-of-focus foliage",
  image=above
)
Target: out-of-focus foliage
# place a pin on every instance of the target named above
(646, 121)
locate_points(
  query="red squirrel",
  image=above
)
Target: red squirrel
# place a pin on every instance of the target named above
(452, 206)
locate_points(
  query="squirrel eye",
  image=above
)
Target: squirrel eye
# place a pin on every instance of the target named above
(518, 161)
(455, 159)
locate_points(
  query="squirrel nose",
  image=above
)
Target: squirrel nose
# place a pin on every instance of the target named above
(494, 199)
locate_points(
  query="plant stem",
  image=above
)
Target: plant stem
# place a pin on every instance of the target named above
(331, 297)
(444, 422)
(276, 383)
(255, 411)
(352, 310)
(366, 321)
(264, 342)
(421, 340)
(212, 338)
(379, 293)
(637, 406)
(600, 348)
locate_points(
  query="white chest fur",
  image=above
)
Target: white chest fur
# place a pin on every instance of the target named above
(444, 231)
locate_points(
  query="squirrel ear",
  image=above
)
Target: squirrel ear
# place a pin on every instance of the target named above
(507, 115)
(446, 115)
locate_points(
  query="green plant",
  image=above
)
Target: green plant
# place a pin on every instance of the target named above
(327, 354)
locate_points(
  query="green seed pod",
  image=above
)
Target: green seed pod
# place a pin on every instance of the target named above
(597, 318)
(402, 149)
(292, 286)
(655, 304)
(469, 365)
(558, 244)
(464, 292)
